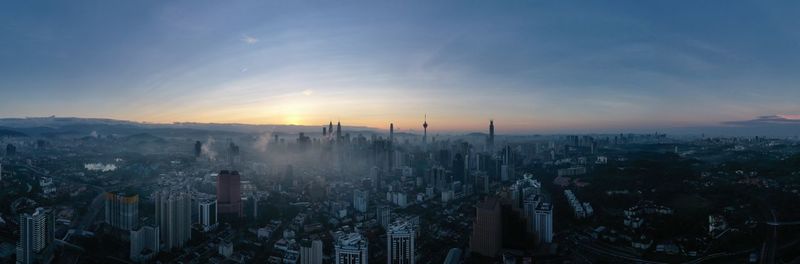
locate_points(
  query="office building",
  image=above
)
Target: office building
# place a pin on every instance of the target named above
(229, 195)
(351, 248)
(122, 210)
(174, 216)
(487, 236)
(400, 243)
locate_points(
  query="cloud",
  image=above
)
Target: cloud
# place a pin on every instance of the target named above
(249, 40)
(785, 119)
(307, 92)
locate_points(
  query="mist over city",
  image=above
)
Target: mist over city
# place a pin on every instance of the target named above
(407, 132)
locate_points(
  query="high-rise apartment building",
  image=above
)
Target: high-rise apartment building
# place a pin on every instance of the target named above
(544, 223)
(145, 243)
(122, 210)
(174, 216)
(36, 235)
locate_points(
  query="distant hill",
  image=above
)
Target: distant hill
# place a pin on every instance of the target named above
(82, 127)
(11, 133)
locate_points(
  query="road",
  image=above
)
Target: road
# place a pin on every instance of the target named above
(770, 244)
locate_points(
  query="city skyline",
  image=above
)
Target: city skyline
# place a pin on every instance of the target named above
(532, 67)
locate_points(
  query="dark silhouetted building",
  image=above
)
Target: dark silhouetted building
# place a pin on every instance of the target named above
(487, 229)
(229, 195)
(198, 148)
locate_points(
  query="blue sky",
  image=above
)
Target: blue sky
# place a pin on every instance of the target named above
(532, 66)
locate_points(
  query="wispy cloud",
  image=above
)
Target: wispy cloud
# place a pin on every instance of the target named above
(768, 120)
(249, 39)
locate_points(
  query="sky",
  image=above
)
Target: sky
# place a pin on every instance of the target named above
(532, 66)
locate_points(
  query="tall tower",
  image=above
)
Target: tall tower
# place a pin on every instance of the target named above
(425, 129)
(390, 157)
(490, 140)
(391, 132)
(339, 131)
(330, 128)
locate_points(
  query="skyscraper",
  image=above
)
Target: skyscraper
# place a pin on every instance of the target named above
(490, 140)
(174, 216)
(207, 214)
(122, 210)
(400, 243)
(311, 251)
(425, 130)
(229, 196)
(36, 235)
(390, 150)
(391, 132)
(544, 223)
(338, 131)
(487, 236)
(351, 248)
